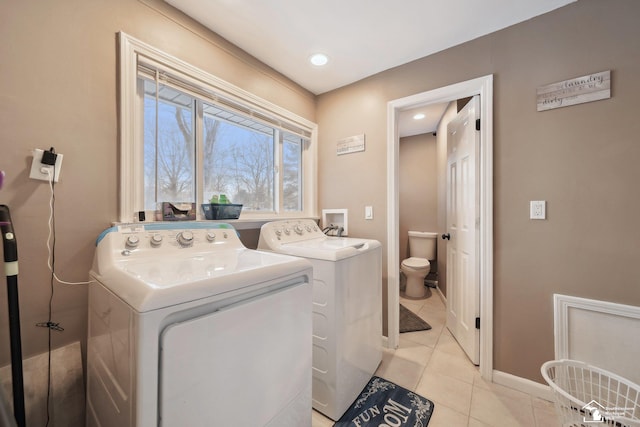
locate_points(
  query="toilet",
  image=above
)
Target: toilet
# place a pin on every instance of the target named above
(422, 248)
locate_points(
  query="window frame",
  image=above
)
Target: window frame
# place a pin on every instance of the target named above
(131, 133)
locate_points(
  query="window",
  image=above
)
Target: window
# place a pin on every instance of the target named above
(187, 136)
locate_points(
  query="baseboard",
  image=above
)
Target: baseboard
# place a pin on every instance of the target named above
(442, 297)
(524, 385)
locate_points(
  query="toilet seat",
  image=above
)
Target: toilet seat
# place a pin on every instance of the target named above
(414, 262)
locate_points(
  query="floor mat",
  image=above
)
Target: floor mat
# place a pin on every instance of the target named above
(410, 322)
(385, 403)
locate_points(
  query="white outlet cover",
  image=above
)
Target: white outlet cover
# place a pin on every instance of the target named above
(537, 209)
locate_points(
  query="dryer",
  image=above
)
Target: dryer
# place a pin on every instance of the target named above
(187, 327)
(347, 308)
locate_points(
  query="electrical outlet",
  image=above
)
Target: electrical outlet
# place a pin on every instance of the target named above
(537, 209)
(44, 172)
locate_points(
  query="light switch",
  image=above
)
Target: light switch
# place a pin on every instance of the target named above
(368, 212)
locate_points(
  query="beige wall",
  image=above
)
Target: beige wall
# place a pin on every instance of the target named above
(581, 159)
(418, 187)
(58, 88)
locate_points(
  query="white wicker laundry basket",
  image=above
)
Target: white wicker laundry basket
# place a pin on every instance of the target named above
(588, 396)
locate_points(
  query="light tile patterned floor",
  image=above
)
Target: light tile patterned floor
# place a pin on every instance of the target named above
(433, 365)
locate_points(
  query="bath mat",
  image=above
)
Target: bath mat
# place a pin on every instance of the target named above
(385, 403)
(410, 322)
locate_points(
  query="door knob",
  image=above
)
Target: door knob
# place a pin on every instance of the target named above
(446, 236)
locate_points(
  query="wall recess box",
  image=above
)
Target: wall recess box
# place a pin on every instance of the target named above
(337, 217)
(44, 172)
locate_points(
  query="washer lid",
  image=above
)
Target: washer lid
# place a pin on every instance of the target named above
(154, 284)
(149, 277)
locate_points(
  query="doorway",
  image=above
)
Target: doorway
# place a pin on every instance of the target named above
(482, 86)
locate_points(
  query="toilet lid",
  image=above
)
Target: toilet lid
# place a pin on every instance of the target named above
(416, 262)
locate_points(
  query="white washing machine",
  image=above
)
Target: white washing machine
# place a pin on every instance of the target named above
(347, 308)
(187, 327)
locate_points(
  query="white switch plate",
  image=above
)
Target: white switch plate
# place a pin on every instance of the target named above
(368, 212)
(41, 171)
(537, 209)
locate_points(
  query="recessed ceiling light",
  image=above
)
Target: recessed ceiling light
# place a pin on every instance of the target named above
(319, 59)
(418, 116)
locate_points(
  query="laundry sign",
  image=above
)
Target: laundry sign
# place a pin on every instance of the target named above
(592, 87)
(351, 144)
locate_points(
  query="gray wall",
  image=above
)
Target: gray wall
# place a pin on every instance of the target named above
(581, 159)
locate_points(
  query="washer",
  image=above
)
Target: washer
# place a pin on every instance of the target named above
(187, 327)
(347, 308)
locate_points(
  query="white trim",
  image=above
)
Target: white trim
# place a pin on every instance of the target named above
(441, 295)
(524, 385)
(578, 320)
(563, 303)
(131, 177)
(131, 186)
(482, 86)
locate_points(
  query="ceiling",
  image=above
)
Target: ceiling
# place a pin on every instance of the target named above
(360, 37)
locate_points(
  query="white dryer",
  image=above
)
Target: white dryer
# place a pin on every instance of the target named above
(187, 327)
(347, 308)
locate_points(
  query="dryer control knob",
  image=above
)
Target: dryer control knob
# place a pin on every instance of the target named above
(156, 240)
(211, 236)
(185, 238)
(132, 241)
(298, 229)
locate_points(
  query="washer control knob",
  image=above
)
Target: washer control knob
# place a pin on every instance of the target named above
(132, 241)
(298, 230)
(156, 240)
(278, 233)
(211, 236)
(308, 229)
(225, 235)
(287, 231)
(185, 238)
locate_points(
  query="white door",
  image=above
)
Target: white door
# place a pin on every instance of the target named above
(463, 291)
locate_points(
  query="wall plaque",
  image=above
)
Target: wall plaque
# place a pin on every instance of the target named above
(591, 87)
(350, 144)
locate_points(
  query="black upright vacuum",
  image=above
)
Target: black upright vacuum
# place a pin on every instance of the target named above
(10, 247)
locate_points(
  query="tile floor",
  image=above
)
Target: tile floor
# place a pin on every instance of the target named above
(433, 365)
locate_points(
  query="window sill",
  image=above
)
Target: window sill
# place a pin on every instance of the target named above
(238, 224)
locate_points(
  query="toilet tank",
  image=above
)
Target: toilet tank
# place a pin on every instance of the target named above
(422, 244)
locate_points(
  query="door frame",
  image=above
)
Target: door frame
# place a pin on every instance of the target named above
(482, 86)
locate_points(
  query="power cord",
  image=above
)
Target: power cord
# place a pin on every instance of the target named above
(51, 262)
